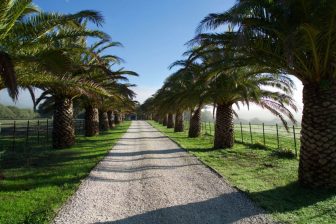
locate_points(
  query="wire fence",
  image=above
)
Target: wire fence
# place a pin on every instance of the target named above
(272, 136)
(23, 136)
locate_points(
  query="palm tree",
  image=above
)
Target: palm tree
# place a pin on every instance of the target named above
(23, 26)
(94, 58)
(65, 87)
(165, 120)
(295, 38)
(91, 120)
(228, 86)
(170, 121)
(191, 91)
(239, 86)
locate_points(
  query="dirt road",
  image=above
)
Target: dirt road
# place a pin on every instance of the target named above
(147, 178)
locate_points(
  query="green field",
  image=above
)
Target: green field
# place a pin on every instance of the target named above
(34, 187)
(266, 177)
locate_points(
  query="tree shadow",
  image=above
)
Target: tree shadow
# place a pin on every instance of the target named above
(52, 168)
(145, 152)
(291, 197)
(109, 180)
(146, 138)
(227, 208)
(143, 168)
(148, 158)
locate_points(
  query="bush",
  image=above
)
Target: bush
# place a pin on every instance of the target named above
(284, 153)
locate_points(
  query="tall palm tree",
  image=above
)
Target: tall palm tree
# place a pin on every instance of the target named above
(95, 58)
(23, 26)
(63, 94)
(191, 91)
(296, 38)
(239, 86)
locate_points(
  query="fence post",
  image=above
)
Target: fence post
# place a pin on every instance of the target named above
(263, 127)
(210, 127)
(14, 132)
(38, 131)
(251, 133)
(27, 133)
(47, 130)
(241, 132)
(294, 135)
(83, 131)
(277, 131)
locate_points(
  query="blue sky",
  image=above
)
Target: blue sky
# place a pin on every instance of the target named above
(153, 33)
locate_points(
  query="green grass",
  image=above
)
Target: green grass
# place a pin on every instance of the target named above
(269, 180)
(37, 185)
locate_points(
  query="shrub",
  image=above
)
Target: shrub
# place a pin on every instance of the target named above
(284, 153)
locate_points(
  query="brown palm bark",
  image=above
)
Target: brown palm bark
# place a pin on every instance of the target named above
(317, 166)
(165, 120)
(224, 127)
(91, 121)
(63, 133)
(110, 119)
(116, 118)
(195, 124)
(161, 120)
(179, 124)
(170, 121)
(103, 121)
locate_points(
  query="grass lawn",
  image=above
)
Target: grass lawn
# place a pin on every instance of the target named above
(271, 181)
(35, 188)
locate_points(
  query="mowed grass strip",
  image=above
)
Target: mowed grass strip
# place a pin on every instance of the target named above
(33, 193)
(269, 180)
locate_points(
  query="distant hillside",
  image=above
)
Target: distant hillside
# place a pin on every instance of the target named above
(12, 112)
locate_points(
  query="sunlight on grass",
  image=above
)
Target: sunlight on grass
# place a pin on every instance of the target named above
(267, 179)
(34, 193)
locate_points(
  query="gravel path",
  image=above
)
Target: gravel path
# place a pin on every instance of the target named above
(147, 178)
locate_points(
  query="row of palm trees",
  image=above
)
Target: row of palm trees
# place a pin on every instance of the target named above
(266, 42)
(51, 52)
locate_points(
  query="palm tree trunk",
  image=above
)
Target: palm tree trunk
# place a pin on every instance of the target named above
(317, 166)
(103, 121)
(195, 124)
(91, 121)
(224, 127)
(161, 120)
(170, 122)
(116, 118)
(110, 119)
(165, 120)
(63, 132)
(179, 125)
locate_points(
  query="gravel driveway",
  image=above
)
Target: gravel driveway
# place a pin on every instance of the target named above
(147, 178)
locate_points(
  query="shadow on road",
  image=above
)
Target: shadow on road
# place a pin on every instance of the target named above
(217, 210)
(145, 152)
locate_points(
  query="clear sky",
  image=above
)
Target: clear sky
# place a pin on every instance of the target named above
(153, 33)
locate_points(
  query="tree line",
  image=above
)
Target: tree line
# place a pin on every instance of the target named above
(12, 112)
(265, 44)
(50, 51)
